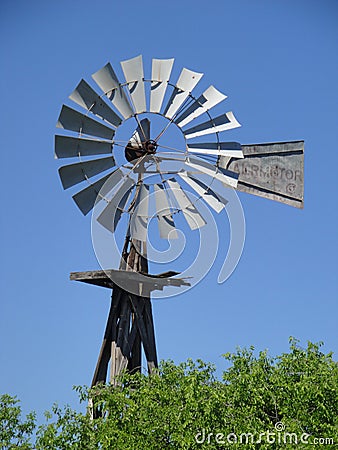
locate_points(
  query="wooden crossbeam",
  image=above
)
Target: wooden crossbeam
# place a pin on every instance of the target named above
(146, 282)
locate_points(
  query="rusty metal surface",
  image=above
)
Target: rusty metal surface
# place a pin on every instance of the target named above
(273, 170)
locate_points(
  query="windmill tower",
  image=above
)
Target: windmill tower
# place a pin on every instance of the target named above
(140, 167)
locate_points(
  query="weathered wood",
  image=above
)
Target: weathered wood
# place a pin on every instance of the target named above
(124, 323)
(150, 330)
(113, 363)
(145, 327)
(129, 325)
(146, 282)
(116, 308)
(134, 364)
(118, 364)
(128, 343)
(101, 369)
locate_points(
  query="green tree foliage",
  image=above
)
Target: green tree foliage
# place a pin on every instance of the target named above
(14, 431)
(290, 401)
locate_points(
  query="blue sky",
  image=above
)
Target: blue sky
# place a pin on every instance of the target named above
(277, 62)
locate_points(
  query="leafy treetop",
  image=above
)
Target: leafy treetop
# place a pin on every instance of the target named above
(289, 401)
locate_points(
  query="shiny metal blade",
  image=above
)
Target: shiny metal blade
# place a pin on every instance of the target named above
(141, 134)
(164, 156)
(165, 219)
(112, 213)
(72, 120)
(160, 74)
(139, 218)
(192, 216)
(78, 172)
(233, 149)
(221, 123)
(109, 83)
(185, 84)
(210, 98)
(70, 147)
(85, 96)
(226, 177)
(133, 72)
(216, 201)
(144, 129)
(86, 198)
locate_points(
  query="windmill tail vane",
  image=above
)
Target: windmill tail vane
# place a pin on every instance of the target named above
(144, 151)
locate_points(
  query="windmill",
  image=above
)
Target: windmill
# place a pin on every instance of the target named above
(123, 175)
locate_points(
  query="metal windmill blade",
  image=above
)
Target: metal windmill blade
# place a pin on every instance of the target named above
(166, 222)
(185, 84)
(133, 72)
(160, 75)
(111, 87)
(210, 98)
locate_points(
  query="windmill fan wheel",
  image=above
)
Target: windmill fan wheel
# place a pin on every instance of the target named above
(141, 163)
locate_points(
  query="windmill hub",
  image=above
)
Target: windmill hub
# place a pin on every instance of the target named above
(150, 146)
(134, 151)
